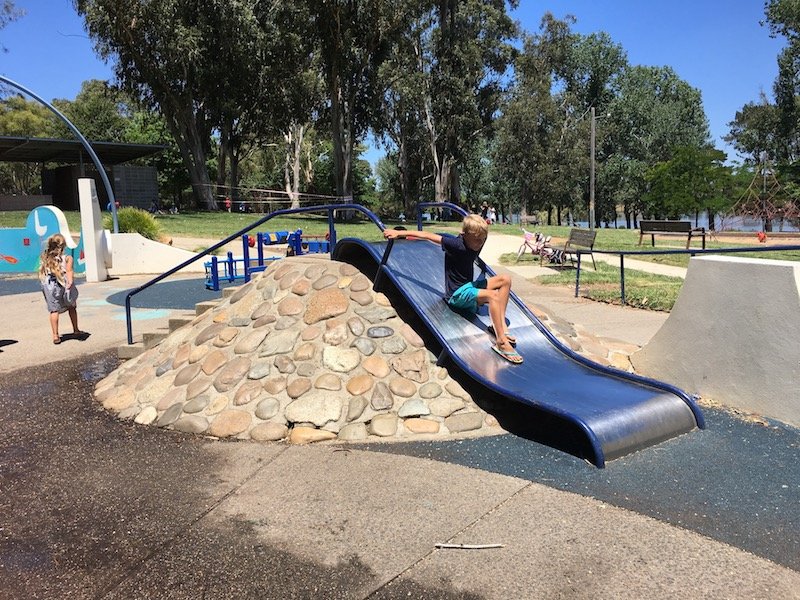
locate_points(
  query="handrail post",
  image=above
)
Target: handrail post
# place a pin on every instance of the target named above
(229, 266)
(128, 323)
(214, 273)
(331, 231)
(622, 276)
(384, 260)
(246, 257)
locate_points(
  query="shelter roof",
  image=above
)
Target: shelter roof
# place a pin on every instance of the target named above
(38, 150)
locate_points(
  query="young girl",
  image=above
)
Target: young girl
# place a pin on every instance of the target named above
(58, 284)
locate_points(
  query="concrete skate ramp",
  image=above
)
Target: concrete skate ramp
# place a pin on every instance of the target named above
(617, 412)
(733, 334)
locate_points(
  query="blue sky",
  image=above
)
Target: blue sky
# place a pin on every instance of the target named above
(717, 46)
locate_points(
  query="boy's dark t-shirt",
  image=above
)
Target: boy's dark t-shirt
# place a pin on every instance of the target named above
(459, 263)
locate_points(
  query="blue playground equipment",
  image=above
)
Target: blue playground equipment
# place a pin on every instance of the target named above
(233, 269)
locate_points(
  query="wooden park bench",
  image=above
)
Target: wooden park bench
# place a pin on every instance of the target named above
(671, 228)
(580, 240)
(529, 219)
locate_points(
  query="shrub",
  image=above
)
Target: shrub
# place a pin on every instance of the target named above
(134, 220)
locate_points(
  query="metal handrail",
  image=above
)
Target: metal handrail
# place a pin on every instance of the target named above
(623, 253)
(330, 208)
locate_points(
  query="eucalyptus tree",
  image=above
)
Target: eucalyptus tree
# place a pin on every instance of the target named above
(464, 62)
(593, 66)
(693, 180)
(527, 128)
(299, 98)
(167, 52)
(398, 123)
(353, 38)
(146, 126)
(277, 92)
(653, 113)
(560, 77)
(9, 13)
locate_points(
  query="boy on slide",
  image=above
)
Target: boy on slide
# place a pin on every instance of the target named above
(464, 294)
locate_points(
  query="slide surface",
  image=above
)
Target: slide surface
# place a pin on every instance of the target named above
(618, 412)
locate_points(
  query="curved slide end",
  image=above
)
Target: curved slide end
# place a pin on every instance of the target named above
(603, 413)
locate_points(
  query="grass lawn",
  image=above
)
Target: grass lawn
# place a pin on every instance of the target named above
(642, 289)
(215, 226)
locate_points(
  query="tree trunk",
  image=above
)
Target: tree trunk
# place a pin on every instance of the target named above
(405, 175)
(342, 143)
(190, 144)
(222, 162)
(441, 180)
(291, 172)
(234, 160)
(454, 192)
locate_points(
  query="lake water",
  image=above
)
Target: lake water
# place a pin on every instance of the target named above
(726, 224)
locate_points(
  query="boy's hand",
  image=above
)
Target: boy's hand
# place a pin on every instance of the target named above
(391, 234)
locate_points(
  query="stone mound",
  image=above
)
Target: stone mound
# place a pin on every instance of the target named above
(307, 351)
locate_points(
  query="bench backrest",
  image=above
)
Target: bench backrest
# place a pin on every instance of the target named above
(583, 238)
(669, 226)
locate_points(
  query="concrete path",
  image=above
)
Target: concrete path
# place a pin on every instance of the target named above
(91, 507)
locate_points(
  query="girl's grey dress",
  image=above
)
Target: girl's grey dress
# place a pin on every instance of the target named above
(58, 299)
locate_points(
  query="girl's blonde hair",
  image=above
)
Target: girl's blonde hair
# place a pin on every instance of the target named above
(50, 262)
(476, 226)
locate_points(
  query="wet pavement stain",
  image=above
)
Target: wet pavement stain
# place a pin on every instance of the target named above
(93, 507)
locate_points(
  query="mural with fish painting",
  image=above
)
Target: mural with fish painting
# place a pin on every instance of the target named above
(20, 247)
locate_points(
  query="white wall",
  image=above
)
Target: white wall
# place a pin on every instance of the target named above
(733, 336)
(134, 254)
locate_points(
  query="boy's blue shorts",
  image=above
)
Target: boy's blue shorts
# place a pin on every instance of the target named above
(465, 298)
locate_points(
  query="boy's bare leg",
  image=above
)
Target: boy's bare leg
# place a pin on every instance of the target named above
(502, 285)
(497, 314)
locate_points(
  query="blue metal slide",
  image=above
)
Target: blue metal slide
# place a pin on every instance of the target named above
(617, 412)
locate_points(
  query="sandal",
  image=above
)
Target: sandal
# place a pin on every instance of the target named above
(511, 339)
(57, 340)
(511, 356)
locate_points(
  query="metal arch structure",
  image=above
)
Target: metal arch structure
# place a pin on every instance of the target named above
(614, 412)
(87, 146)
